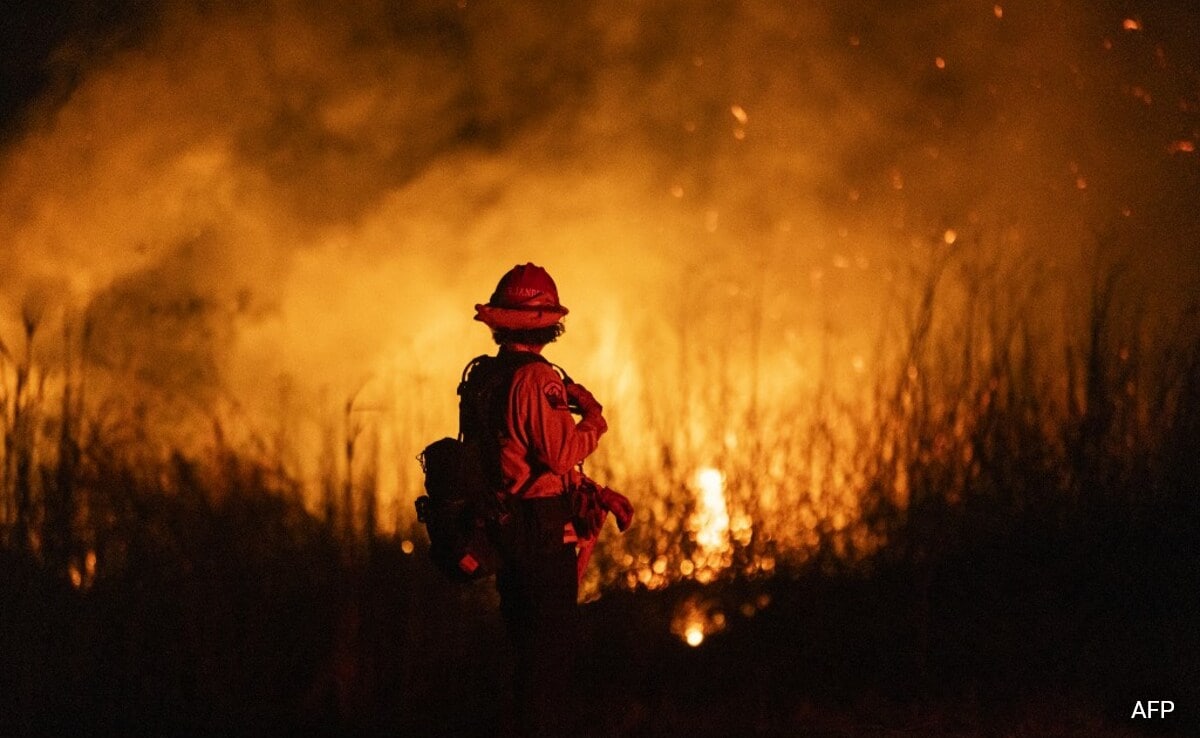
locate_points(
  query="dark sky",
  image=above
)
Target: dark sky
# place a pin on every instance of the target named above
(31, 33)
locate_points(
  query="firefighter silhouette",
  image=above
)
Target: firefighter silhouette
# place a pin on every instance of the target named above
(533, 446)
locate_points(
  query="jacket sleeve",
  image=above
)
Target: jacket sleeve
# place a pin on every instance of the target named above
(541, 419)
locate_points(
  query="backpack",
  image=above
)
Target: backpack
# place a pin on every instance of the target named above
(465, 508)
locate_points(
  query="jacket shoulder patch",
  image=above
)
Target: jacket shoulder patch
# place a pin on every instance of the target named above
(555, 395)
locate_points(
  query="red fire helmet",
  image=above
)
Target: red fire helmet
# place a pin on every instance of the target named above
(526, 297)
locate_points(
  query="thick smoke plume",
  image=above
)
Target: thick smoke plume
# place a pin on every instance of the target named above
(259, 213)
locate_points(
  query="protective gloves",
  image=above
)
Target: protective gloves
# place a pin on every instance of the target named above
(617, 504)
(584, 403)
(584, 400)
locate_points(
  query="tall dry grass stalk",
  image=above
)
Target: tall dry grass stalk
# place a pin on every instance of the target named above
(975, 403)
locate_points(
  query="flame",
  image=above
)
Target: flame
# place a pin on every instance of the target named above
(711, 520)
(286, 241)
(697, 618)
(82, 577)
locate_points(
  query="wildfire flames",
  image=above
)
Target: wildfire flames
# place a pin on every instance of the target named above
(794, 239)
(696, 619)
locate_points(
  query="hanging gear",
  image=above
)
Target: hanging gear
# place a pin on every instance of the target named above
(453, 511)
(526, 297)
(468, 510)
(465, 508)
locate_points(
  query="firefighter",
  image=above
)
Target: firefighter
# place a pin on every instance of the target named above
(539, 446)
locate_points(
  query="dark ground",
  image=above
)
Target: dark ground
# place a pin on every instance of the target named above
(247, 627)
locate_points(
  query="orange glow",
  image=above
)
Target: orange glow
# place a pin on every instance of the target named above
(284, 243)
(82, 577)
(711, 520)
(696, 619)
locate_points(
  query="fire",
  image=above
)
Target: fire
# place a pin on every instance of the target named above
(285, 242)
(710, 522)
(696, 619)
(83, 576)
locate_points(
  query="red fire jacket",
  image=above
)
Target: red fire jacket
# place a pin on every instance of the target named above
(542, 442)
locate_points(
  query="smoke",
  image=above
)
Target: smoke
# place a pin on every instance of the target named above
(242, 198)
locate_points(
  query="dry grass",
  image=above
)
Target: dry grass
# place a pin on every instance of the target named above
(990, 540)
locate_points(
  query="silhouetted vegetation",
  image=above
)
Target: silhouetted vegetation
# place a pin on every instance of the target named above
(1029, 512)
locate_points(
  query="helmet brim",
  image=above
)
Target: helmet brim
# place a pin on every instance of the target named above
(517, 318)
